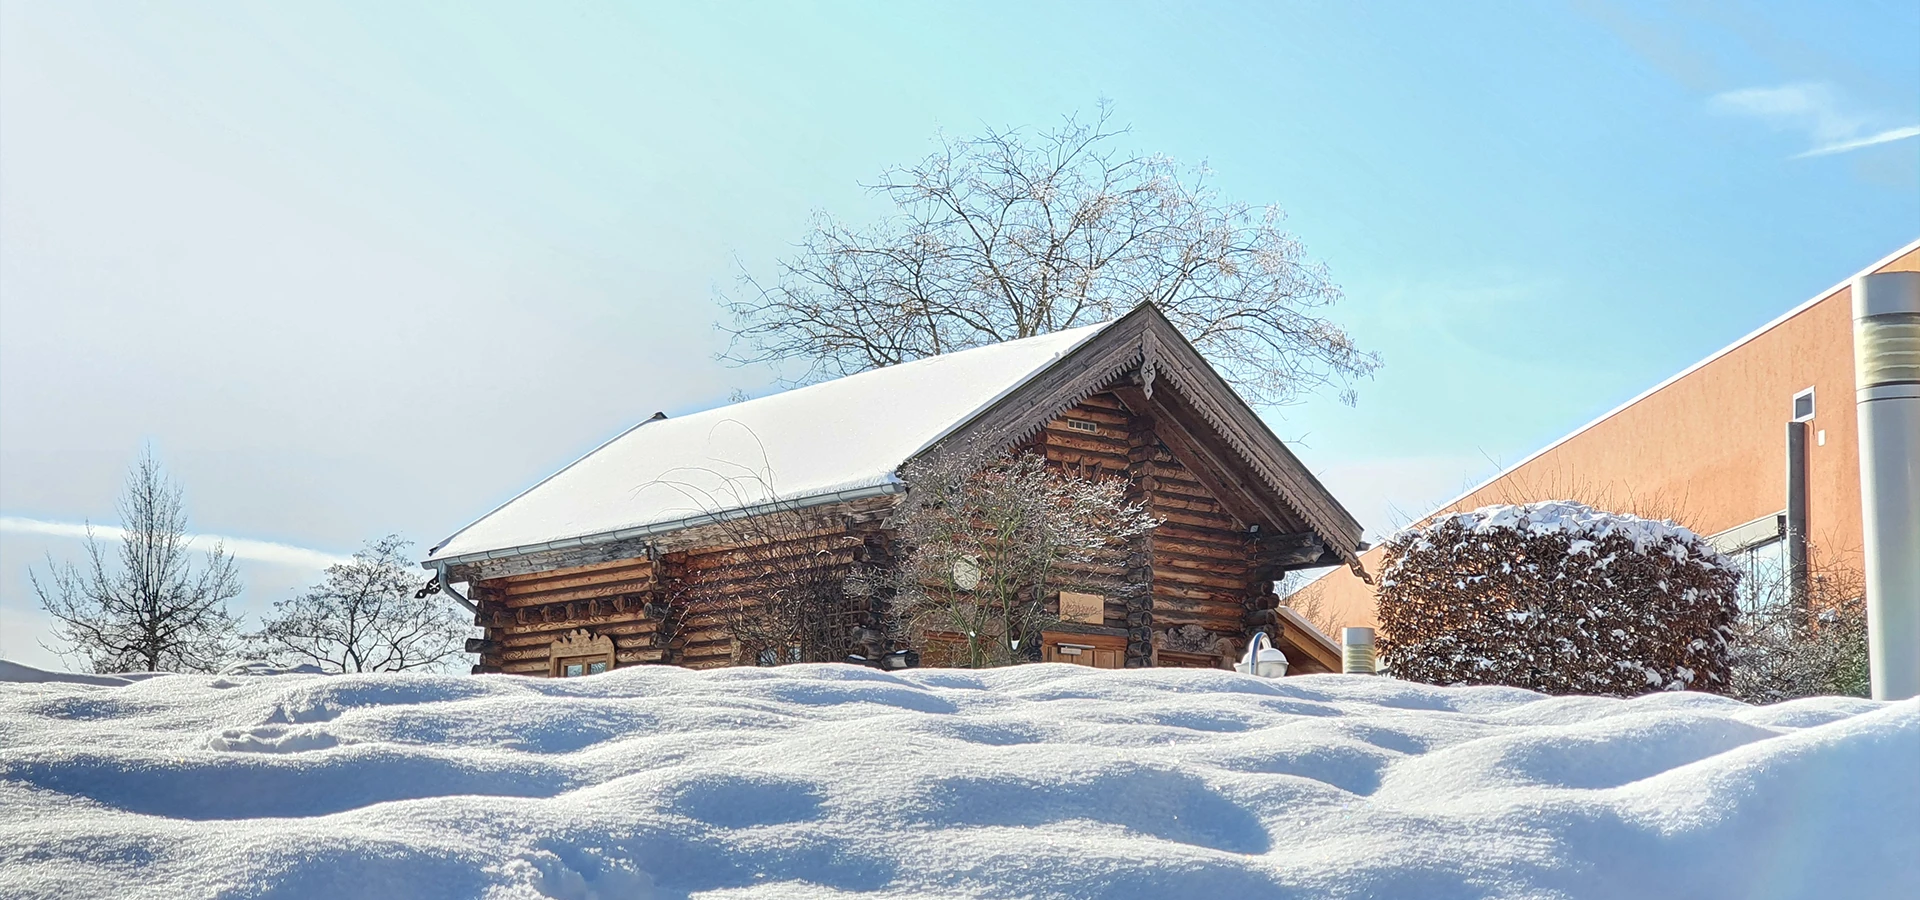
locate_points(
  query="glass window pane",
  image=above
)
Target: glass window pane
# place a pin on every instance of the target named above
(1763, 575)
(572, 670)
(596, 668)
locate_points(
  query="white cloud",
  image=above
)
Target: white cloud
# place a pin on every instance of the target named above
(1814, 109)
(239, 548)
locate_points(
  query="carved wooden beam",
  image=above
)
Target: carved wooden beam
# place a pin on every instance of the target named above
(1289, 551)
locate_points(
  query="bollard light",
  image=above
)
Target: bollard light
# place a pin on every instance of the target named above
(1356, 656)
(1886, 353)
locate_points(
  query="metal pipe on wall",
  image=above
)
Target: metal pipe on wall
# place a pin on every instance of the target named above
(1797, 511)
(1886, 352)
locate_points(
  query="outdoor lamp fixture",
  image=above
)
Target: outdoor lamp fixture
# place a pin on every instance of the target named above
(1356, 646)
(1262, 659)
(901, 659)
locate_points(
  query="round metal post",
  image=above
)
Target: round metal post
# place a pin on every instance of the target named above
(1886, 352)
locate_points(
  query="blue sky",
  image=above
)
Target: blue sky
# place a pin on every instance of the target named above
(360, 268)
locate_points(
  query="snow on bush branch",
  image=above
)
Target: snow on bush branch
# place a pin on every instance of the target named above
(1557, 597)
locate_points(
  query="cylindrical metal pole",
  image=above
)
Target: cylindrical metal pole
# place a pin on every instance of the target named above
(1886, 353)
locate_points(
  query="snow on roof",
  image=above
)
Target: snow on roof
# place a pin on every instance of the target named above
(839, 438)
(1044, 780)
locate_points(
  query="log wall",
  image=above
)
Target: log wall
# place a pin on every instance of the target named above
(1195, 569)
(669, 607)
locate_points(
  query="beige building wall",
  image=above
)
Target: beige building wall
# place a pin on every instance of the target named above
(1707, 448)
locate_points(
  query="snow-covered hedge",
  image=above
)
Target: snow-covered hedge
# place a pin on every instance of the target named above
(1557, 597)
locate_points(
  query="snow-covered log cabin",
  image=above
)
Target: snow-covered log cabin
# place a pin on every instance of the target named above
(591, 569)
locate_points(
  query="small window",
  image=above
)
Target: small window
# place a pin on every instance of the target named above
(1083, 425)
(1803, 405)
(574, 668)
(580, 652)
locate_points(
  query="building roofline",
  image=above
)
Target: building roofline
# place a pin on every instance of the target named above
(1775, 323)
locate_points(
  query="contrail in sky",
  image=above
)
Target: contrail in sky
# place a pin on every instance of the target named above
(239, 548)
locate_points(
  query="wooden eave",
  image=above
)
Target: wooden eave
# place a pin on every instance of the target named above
(1220, 437)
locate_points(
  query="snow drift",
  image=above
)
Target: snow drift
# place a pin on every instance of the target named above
(1040, 780)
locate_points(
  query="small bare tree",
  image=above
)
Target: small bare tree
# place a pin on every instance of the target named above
(366, 616)
(771, 573)
(1011, 234)
(988, 542)
(1790, 644)
(780, 588)
(157, 612)
(1302, 592)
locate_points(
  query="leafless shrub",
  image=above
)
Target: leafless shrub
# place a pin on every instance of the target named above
(1559, 598)
(780, 588)
(1013, 234)
(772, 573)
(1784, 648)
(990, 540)
(156, 612)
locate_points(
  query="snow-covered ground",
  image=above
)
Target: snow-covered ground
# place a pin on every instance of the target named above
(1043, 780)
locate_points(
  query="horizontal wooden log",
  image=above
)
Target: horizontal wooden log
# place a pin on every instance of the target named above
(585, 592)
(574, 577)
(1235, 559)
(1199, 579)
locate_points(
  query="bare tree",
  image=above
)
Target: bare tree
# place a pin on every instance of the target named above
(1790, 643)
(780, 587)
(156, 612)
(366, 616)
(989, 541)
(1013, 234)
(1304, 594)
(772, 573)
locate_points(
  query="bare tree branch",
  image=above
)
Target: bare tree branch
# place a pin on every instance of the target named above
(1013, 234)
(366, 617)
(990, 540)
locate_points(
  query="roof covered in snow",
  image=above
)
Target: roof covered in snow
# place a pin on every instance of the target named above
(838, 439)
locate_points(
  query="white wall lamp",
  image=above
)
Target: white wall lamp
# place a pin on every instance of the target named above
(1262, 658)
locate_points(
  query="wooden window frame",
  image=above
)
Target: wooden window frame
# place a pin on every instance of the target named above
(583, 648)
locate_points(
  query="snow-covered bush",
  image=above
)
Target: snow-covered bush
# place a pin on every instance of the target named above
(1560, 598)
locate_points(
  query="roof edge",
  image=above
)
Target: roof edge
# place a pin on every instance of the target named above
(1777, 321)
(669, 526)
